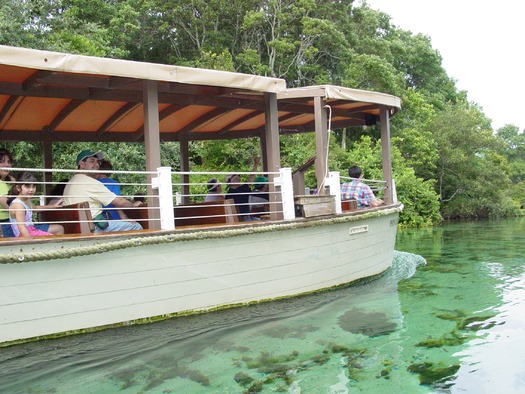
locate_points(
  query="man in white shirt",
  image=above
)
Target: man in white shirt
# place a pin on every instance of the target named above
(84, 187)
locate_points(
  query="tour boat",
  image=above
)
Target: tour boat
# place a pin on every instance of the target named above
(188, 259)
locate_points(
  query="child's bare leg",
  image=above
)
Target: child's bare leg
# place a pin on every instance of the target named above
(56, 229)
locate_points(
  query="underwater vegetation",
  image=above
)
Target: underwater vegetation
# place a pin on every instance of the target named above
(452, 339)
(419, 289)
(264, 371)
(155, 375)
(464, 328)
(371, 324)
(281, 370)
(435, 374)
(473, 323)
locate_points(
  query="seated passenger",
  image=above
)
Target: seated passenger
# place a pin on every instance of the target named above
(57, 193)
(21, 209)
(214, 191)
(113, 186)
(259, 199)
(84, 187)
(240, 192)
(6, 160)
(358, 190)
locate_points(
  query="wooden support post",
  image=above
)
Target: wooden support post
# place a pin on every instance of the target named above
(321, 143)
(385, 147)
(272, 161)
(48, 164)
(152, 146)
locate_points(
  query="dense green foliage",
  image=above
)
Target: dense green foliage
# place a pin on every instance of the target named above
(447, 160)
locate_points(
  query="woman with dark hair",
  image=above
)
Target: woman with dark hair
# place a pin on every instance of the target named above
(21, 209)
(214, 191)
(6, 161)
(240, 192)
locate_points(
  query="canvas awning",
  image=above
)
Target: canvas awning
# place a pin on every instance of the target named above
(347, 107)
(63, 97)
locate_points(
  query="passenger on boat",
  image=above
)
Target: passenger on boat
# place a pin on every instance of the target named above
(259, 198)
(358, 190)
(21, 209)
(140, 198)
(84, 187)
(214, 191)
(57, 193)
(113, 186)
(6, 160)
(240, 192)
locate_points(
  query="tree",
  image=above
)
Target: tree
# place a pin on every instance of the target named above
(413, 137)
(471, 177)
(421, 203)
(513, 148)
(13, 24)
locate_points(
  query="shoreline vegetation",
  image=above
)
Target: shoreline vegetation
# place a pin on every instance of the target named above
(448, 162)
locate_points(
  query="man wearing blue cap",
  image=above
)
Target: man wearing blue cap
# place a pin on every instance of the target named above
(84, 187)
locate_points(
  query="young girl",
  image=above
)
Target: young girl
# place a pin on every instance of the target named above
(6, 161)
(21, 209)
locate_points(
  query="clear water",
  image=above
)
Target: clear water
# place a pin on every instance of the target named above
(453, 325)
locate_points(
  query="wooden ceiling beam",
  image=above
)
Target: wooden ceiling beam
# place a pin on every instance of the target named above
(35, 80)
(170, 110)
(16, 89)
(163, 114)
(239, 121)
(74, 80)
(201, 120)
(63, 114)
(118, 115)
(8, 108)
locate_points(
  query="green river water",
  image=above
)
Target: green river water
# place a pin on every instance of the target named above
(449, 317)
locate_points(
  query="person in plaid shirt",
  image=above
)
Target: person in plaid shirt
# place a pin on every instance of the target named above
(359, 191)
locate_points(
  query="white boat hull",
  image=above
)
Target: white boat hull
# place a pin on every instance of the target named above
(121, 281)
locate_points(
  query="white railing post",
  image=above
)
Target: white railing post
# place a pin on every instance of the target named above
(164, 184)
(178, 198)
(394, 192)
(334, 184)
(284, 180)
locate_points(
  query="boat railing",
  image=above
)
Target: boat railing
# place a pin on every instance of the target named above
(133, 185)
(165, 190)
(190, 188)
(335, 181)
(377, 186)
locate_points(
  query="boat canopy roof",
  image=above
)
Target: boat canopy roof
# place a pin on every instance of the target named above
(63, 97)
(349, 107)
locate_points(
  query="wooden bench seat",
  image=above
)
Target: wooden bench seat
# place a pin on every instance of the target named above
(348, 205)
(139, 214)
(216, 212)
(75, 218)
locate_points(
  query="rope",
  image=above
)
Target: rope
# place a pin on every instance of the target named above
(173, 238)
